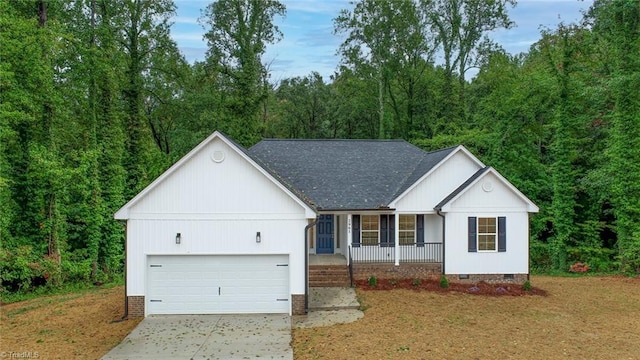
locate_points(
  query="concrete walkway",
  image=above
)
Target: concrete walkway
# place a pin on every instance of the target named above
(263, 336)
(330, 306)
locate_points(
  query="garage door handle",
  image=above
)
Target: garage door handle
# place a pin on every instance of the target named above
(218, 290)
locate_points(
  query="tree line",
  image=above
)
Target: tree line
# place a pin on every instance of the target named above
(96, 100)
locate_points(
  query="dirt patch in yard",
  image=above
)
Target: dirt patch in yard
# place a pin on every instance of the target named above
(580, 318)
(72, 326)
(431, 285)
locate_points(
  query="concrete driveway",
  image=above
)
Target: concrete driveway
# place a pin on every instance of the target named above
(263, 336)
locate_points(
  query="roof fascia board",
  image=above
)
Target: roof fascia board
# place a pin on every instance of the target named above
(531, 207)
(459, 148)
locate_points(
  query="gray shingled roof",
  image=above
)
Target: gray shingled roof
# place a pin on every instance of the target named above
(346, 174)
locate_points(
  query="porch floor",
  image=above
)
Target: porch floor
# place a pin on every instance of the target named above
(329, 259)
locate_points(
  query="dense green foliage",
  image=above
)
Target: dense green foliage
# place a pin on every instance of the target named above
(96, 101)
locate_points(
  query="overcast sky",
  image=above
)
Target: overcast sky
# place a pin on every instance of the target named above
(310, 45)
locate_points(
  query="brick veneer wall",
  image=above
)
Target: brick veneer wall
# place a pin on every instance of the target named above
(390, 271)
(489, 278)
(297, 304)
(135, 305)
(431, 270)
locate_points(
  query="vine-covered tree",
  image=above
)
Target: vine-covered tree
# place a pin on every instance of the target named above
(617, 27)
(237, 36)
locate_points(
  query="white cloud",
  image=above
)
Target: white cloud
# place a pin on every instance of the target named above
(187, 36)
(186, 20)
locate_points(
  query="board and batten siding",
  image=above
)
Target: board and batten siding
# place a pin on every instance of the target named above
(499, 196)
(437, 185)
(478, 202)
(432, 228)
(202, 186)
(208, 237)
(217, 207)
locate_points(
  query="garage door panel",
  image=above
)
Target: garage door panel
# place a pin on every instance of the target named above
(215, 284)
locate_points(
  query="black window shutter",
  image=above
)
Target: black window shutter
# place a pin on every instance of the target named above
(355, 242)
(502, 234)
(392, 230)
(420, 230)
(384, 230)
(472, 234)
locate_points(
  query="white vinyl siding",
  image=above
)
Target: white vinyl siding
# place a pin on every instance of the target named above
(437, 185)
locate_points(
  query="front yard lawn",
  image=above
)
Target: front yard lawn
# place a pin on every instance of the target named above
(580, 318)
(72, 326)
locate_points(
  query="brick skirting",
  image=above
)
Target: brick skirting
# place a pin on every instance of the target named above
(429, 270)
(402, 271)
(488, 278)
(297, 304)
(135, 306)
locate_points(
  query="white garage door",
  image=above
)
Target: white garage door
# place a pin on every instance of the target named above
(196, 284)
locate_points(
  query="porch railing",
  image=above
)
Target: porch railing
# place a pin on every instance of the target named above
(409, 253)
(350, 267)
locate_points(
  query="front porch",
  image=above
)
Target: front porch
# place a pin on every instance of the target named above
(336, 270)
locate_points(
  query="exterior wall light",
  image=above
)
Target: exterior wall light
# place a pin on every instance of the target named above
(258, 237)
(178, 238)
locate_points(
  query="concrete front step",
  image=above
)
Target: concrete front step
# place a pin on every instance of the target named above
(329, 276)
(333, 298)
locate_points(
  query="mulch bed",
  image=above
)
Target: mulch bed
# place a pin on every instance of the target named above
(480, 288)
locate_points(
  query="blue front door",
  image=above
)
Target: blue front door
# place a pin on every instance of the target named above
(324, 235)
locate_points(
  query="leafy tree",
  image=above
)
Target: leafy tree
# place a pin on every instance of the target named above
(144, 28)
(459, 27)
(560, 50)
(304, 107)
(617, 25)
(239, 31)
(386, 40)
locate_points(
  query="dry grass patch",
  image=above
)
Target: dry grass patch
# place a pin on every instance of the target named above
(581, 318)
(73, 326)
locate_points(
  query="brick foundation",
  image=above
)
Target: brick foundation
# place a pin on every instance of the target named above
(488, 278)
(297, 304)
(390, 271)
(135, 306)
(429, 270)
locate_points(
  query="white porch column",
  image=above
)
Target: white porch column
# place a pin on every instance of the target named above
(349, 235)
(397, 237)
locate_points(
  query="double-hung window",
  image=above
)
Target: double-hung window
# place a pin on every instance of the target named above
(370, 229)
(407, 231)
(487, 234)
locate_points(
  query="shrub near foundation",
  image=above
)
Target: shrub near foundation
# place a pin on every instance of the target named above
(444, 283)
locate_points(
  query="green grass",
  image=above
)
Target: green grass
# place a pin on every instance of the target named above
(558, 273)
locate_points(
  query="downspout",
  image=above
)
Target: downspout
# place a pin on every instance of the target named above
(306, 263)
(126, 299)
(528, 247)
(443, 237)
